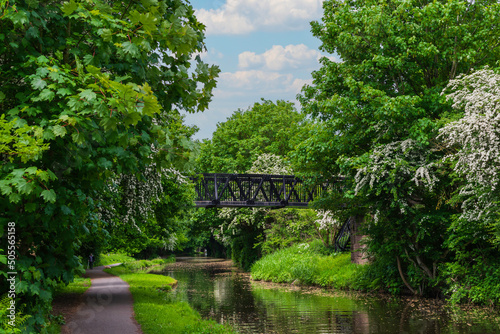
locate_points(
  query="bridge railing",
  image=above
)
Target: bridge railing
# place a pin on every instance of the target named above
(255, 190)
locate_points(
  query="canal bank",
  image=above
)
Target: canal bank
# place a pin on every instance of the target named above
(219, 291)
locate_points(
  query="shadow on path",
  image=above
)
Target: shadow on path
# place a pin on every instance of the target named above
(107, 307)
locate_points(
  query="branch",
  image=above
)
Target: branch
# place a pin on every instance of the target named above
(126, 9)
(403, 277)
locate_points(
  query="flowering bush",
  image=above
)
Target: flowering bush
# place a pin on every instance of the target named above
(476, 142)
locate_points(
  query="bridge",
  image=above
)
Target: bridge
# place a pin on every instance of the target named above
(256, 190)
(217, 190)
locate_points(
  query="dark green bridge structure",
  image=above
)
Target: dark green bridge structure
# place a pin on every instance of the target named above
(218, 190)
(256, 190)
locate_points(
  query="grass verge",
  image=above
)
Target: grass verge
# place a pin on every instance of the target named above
(78, 286)
(307, 264)
(111, 258)
(63, 294)
(155, 310)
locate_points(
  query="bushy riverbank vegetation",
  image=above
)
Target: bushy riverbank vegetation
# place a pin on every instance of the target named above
(310, 264)
(155, 310)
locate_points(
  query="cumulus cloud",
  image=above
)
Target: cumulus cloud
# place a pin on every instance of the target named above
(279, 58)
(258, 82)
(245, 16)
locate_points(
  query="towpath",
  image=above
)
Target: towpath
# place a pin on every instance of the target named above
(106, 307)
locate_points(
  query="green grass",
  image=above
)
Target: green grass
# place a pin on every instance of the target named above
(79, 285)
(156, 311)
(306, 264)
(111, 258)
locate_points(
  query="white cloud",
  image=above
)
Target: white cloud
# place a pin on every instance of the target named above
(263, 83)
(279, 58)
(244, 16)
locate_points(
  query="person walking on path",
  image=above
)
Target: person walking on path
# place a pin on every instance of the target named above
(107, 307)
(91, 261)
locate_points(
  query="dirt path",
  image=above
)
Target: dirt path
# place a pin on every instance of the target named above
(107, 307)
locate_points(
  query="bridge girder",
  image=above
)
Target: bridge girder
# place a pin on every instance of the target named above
(255, 190)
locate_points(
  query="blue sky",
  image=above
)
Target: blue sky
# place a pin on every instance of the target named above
(264, 49)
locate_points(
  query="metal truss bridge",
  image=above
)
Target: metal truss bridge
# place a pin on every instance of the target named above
(256, 190)
(262, 190)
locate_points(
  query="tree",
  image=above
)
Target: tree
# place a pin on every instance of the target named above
(96, 86)
(266, 127)
(473, 151)
(377, 115)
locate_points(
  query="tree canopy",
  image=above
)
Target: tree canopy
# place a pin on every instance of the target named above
(266, 127)
(89, 90)
(377, 117)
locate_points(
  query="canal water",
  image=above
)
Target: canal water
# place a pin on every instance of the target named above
(219, 291)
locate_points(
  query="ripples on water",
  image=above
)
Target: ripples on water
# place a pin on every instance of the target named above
(221, 292)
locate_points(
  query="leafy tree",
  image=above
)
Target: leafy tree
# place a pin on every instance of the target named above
(89, 90)
(266, 127)
(377, 115)
(473, 144)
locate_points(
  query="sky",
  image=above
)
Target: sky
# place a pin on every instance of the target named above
(264, 49)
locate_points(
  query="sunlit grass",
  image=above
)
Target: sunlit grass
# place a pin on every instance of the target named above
(79, 286)
(156, 311)
(303, 265)
(111, 258)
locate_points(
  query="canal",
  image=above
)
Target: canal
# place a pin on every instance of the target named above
(219, 291)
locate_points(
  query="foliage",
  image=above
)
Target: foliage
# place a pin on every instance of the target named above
(89, 90)
(475, 141)
(473, 145)
(376, 119)
(147, 215)
(156, 312)
(266, 127)
(286, 227)
(309, 264)
(6, 321)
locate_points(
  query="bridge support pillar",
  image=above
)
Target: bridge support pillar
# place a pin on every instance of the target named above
(358, 255)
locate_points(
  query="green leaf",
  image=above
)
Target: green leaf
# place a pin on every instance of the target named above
(49, 195)
(59, 131)
(78, 138)
(69, 7)
(88, 95)
(64, 91)
(14, 198)
(38, 83)
(151, 106)
(5, 188)
(30, 207)
(2, 96)
(25, 187)
(31, 170)
(19, 18)
(131, 49)
(106, 35)
(46, 95)
(132, 118)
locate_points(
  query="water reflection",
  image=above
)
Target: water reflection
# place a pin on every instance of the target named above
(220, 292)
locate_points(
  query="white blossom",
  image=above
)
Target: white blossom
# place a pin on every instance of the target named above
(476, 137)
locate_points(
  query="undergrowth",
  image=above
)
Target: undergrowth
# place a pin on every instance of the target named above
(309, 264)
